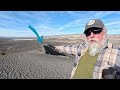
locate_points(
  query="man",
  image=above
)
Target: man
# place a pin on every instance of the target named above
(95, 56)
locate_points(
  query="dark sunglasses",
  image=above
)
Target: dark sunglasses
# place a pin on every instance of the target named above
(95, 31)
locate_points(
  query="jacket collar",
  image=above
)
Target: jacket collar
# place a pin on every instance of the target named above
(108, 45)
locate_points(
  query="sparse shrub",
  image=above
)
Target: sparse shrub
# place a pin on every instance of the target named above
(2, 53)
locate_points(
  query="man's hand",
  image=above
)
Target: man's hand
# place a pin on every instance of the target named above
(111, 73)
(50, 49)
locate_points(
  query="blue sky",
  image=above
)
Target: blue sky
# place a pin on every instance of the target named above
(47, 23)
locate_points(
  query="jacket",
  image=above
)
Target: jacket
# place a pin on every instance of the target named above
(109, 56)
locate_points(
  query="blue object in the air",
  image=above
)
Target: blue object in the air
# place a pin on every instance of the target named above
(39, 39)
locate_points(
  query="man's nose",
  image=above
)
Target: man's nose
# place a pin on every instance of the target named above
(91, 35)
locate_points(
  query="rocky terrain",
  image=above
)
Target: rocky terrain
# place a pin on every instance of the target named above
(23, 58)
(33, 65)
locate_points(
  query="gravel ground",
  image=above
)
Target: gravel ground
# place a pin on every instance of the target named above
(27, 59)
(9, 47)
(33, 65)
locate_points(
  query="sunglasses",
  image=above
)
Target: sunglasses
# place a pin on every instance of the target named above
(95, 31)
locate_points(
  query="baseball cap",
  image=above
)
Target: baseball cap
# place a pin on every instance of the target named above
(94, 23)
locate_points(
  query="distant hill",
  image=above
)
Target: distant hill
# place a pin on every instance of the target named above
(66, 37)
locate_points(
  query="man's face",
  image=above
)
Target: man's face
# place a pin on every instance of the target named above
(96, 38)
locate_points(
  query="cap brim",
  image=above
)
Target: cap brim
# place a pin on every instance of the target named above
(93, 28)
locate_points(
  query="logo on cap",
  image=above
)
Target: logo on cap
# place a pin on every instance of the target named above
(91, 22)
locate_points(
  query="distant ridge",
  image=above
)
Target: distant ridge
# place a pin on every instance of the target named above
(81, 36)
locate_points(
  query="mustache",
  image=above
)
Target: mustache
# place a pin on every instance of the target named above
(93, 40)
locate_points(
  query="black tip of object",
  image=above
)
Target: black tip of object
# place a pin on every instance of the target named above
(51, 50)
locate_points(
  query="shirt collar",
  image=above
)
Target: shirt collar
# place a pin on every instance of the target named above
(108, 45)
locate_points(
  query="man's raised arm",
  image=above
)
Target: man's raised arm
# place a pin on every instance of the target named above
(69, 49)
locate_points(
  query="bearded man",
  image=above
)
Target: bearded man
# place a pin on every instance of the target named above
(95, 55)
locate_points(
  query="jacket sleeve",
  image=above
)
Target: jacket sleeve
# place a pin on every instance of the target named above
(117, 62)
(113, 72)
(69, 49)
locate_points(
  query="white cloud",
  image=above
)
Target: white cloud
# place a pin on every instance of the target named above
(72, 24)
(113, 23)
(101, 14)
(16, 22)
(113, 31)
(13, 32)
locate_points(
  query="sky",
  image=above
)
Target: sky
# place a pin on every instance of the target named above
(48, 23)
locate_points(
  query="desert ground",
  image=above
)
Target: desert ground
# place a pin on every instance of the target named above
(25, 58)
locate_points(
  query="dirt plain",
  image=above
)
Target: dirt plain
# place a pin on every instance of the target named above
(26, 59)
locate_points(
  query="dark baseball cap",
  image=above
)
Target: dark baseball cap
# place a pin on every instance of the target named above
(94, 23)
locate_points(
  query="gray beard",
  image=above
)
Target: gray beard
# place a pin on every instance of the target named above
(94, 49)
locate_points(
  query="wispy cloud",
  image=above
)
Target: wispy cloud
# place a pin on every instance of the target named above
(113, 23)
(54, 22)
(15, 33)
(114, 31)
